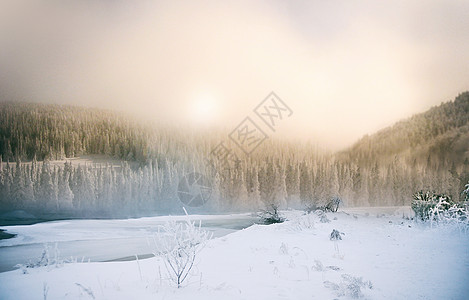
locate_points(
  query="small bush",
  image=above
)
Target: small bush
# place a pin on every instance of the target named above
(456, 214)
(424, 202)
(432, 207)
(179, 243)
(301, 223)
(271, 215)
(336, 235)
(333, 204)
(49, 258)
(322, 216)
(310, 207)
(466, 192)
(350, 286)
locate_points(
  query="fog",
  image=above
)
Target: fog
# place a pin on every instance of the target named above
(345, 69)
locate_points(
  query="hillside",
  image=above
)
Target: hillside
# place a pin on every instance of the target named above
(56, 132)
(436, 141)
(439, 135)
(127, 167)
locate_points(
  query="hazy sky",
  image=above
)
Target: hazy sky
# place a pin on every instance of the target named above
(346, 68)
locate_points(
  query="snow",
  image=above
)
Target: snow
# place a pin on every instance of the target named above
(293, 260)
(76, 230)
(101, 240)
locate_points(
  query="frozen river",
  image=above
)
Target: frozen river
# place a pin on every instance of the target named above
(101, 240)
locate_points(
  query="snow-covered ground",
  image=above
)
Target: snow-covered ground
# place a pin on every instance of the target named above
(101, 240)
(381, 256)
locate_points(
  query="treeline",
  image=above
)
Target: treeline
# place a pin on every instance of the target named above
(384, 169)
(435, 142)
(98, 190)
(56, 132)
(107, 190)
(440, 135)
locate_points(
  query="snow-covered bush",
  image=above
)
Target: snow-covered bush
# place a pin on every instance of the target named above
(350, 286)
(49, 258)
(456, 214)
(440, 209)
(333, 204)
(301, 223)
(466, 192)
(336, 235)
(310, 207)
(330, 206)
(423, 202)
(271, 215)
(179, 243)
(322, 216)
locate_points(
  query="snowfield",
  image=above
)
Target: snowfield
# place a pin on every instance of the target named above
(381, 256)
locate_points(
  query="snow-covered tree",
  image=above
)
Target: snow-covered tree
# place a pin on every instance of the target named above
(47, 193)
(29, 200)
(466, 192)
(306, 191)
(179, 243)
(17, 195)
(64, 194)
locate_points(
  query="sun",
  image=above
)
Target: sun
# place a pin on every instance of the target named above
(204, 108)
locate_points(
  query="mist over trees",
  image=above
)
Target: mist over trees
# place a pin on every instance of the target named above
(428, 151)
(433, 147)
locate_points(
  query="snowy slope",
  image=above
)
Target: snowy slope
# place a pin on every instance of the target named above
(397, 258)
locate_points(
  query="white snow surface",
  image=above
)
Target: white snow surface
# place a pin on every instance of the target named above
(98, 229)
(101, 240)
(293, 260)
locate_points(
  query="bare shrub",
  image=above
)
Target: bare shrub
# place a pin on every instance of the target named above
(49, 258)
(179, 243)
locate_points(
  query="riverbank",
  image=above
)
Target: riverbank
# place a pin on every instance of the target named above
(99, 240)
(380, 256)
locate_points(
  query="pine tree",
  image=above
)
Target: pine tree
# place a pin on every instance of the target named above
(29, 189)
(243, 200)
(64, 194)
(306, 192)
(17, 195)
(47, 197)
(373, 185)
(281, 187)
(254, 194)
(357, 184)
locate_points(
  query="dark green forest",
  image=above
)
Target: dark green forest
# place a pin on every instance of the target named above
(429, 151)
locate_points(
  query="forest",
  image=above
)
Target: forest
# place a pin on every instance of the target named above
(428, 151)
